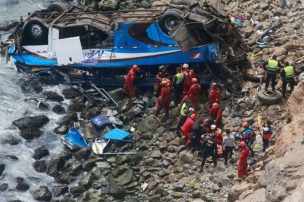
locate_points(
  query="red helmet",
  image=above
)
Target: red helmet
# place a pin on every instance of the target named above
(193, 116)
(215, 105)
(194, 80)
(245, 124)
(242, 144)
(135, 67)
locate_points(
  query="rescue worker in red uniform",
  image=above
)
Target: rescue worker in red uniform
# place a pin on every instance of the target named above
(266, 136)
(129, 81)
(195, 93)
(248, 136)
(162, 74)
(187, 127)
(214, 94)
(165, 98)
(216, 114)
(242, 166)
(189, 74)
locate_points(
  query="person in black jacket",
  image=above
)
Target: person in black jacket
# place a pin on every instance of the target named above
(209, 148)
(197, 131)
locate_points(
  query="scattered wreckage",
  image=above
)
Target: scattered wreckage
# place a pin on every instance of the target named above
(78, 45)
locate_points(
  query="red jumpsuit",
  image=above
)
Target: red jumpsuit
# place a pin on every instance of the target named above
(194, 95)
(188, 75)
(187, 129)
(216, 115)
(242, 166)
(213, 96)
(164, 100)
(159, 77)
(129, 87)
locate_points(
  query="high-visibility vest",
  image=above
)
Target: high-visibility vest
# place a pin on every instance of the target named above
(179, 77)
(289, 72)
(272, 65)
(184, 109)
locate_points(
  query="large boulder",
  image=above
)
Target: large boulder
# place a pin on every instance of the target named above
(40, 166)
(42, 194)
(70, 93)
(30, 133)
(3, 187)
(40, 152)
(68, 119)
(2, 168)
(31, 86)
(148, 124)
(126, 177)
(60, 190)
(53, 96)
(31, 122)
(21, 184)
(55, 166)
(58, 109)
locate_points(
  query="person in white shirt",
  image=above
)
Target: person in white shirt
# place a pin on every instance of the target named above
(228, 143)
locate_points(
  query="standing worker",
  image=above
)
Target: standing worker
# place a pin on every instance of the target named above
(189, 74)
(162, 74)
(214, 94)
(195, 93)
(272, 67)
(216, 114)
(177, 85)
(130, 78)
(197, 131)
(187, 127)
(209, 148)
(248, 136)
(243, 164)
(165, 98)
(266, 136)
(228, 143)
(287, 75)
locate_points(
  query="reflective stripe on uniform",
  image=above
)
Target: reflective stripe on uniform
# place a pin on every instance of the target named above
(184, 109)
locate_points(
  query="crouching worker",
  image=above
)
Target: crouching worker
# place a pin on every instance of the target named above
(164, 99)
(266, 136)
(209, 148)
(187, 127)
(130, 79)
(243, 164)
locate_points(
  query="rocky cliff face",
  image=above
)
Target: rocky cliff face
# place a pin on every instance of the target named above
(281, 173)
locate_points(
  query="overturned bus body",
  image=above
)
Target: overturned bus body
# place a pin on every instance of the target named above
(81, 45)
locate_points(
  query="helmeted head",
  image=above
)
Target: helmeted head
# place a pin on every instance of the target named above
(213, 85)
(162, 68)
(194, 80)
(245, 124)
(242, 144)
(191, 109)
(166, 82)
(185, 66)
(135, 67)
(215, 105)
(266, 129)
(193, 116)
(213, 127)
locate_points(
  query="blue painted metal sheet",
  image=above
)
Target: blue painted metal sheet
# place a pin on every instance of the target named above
(116, 134)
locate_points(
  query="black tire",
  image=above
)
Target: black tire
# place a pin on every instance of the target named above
(58, 7)
(269, 97)
(170, 20)
(36, 32)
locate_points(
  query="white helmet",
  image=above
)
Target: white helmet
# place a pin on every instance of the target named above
(213, 127)
(266, 129)
(185, 66)
(191, 109)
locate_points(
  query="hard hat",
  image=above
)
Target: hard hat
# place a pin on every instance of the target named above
(242, 144)
(194, 80)
(191, 109)
(162, 67)
(213, 84)
(266, 129)
(213, 127)
(193, 116)
(135, 67)
(245, 124)
(185, 66)
(215, 105)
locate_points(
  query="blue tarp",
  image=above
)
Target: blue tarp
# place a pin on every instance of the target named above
(74, 137)
(100, 121)
(116, 134)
